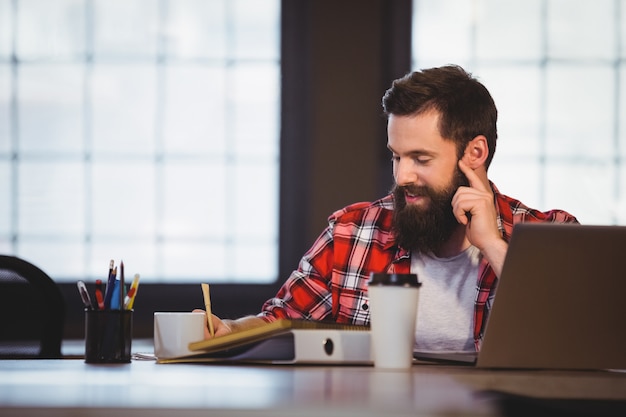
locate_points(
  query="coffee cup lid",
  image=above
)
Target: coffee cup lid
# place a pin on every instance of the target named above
(400, 280)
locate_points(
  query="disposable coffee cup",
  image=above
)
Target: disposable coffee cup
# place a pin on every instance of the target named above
(393, 302)
(173, 331)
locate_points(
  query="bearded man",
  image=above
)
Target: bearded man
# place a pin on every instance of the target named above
(444, 220)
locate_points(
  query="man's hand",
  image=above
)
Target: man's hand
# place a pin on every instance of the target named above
(473, 207)
(221, 328)
(224, 327)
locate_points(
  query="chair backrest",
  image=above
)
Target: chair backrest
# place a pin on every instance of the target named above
(32, 311)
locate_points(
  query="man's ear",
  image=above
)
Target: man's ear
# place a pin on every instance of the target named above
(476, 152)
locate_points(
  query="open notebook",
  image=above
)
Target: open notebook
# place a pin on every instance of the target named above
(560, 302)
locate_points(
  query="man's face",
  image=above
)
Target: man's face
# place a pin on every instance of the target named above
(427, 176)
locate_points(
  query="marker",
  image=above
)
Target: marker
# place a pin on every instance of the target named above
(115, 296)
(100, 294)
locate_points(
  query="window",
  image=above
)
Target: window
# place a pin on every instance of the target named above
(557, 71)
(145, 131)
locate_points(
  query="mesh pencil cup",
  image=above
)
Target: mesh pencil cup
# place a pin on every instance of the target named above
(108, 336)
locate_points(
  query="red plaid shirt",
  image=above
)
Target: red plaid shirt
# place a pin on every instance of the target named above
(330, 283)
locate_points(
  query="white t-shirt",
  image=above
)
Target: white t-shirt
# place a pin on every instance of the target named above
(445, 312)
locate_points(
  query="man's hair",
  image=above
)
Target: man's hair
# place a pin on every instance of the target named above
(465, 106)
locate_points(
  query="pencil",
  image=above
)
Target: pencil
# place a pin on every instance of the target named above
(129, 300)
(207, 305)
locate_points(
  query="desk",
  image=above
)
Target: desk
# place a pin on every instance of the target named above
(143, 388)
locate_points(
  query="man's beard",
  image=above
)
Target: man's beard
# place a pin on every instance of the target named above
(426, 229)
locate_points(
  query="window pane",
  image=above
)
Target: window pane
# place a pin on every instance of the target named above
(196, 193)
(498, 27)
(588, 193)
(580, 104)
(255, 116)
(622, 114)
(252, 181)
(123, 109)
(199, 261)
(581, 29)
(441, 32)
(250, 20)
(622, 31)
(50, 198)
(50, 109)
(251, 260)
(5, 110)
(125, 29)
(57, 257)
(197, 29)
(6, 27)
(123, 196)
(194, 117)
(50, 29)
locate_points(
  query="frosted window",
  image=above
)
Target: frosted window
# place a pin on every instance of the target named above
(144, 131)
(5, 108)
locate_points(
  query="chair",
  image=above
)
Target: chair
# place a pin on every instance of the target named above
(32, 311)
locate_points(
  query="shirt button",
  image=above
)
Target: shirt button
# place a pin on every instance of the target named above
(365, 306)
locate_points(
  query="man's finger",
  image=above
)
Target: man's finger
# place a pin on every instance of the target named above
(472, 177)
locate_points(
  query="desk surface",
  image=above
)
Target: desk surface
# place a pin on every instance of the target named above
(144, 388)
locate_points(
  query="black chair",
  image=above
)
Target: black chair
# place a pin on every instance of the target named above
(32, 311)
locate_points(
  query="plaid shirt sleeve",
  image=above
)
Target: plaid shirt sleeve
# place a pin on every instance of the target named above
(330, 281)
(510, 212)
(306, 293)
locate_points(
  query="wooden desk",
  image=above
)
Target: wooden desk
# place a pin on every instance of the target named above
(143, 388)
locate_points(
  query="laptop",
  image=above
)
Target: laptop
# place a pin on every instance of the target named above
(560, 301)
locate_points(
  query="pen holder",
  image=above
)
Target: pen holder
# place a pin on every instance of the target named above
(108, 336)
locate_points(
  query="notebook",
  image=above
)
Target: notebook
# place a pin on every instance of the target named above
(560, 301)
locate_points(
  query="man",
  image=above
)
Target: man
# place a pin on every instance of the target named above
(443, 220)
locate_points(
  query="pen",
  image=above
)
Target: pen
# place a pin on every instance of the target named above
(132, 293)
(110, 285)
(122, 287)
(207, 304)
(84, 295)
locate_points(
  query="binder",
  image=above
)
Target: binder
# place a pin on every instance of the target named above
(286, 342)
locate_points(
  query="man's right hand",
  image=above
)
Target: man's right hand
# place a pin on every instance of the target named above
(224, 327)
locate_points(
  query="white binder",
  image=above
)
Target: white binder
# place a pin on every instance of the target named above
(286, 342)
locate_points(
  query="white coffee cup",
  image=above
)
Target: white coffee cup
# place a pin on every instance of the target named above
(393, 315)
(173, 331)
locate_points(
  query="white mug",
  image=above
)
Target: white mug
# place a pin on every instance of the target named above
(173, 331)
